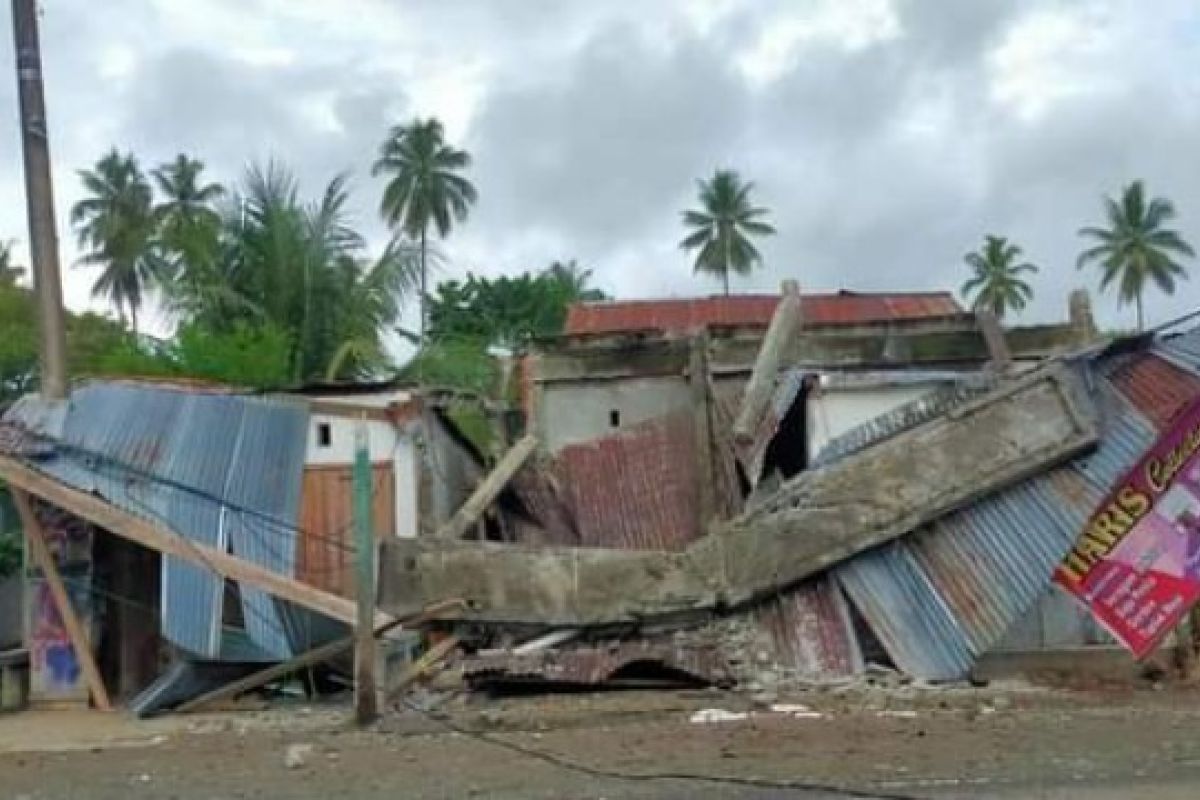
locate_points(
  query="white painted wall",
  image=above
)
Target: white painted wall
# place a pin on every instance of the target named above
(385, 443)
(579, 411)
(831, 411)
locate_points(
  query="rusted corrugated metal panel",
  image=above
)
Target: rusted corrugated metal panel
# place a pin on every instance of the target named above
(543, 496)
(686, 314)
(943, 596)
(635, 489)
(326, 549)
(813, 631)
(1157, 388)
(589, 666)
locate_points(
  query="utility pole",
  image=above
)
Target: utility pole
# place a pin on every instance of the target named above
(366, 707)
(39, 199)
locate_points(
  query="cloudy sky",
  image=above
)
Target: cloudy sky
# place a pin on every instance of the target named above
(887, 136)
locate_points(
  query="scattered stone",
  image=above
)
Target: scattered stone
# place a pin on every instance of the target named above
(709, 715)
(764, 700)
(296, 755)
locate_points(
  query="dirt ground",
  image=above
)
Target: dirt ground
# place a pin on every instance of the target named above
(997, 742)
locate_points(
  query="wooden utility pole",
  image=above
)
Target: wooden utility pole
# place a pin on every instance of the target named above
(39, 199)
(366, 707)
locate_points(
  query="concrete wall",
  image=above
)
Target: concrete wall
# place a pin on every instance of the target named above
(578, 411)
(831, 411)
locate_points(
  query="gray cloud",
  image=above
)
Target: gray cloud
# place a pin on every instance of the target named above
(885, 153)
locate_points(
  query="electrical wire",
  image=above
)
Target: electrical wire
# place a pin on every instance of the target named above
(646, 777)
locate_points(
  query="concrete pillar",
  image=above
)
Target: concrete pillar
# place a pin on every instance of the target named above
(1079, 314)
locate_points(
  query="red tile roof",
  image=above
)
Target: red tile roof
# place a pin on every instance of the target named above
(755, 310)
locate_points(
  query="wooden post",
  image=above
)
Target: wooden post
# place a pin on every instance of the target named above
(39, 551)
(366, 707)
(698, 384)
(487, 491)
(761, 387)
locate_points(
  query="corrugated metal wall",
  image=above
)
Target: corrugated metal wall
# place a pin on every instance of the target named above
(222, 470)
(635, 489)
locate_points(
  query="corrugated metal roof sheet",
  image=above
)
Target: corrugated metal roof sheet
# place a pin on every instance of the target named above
(813, 631)
(1156, 387)
(187, 459)
(1182, 350)
(635, 489)
(940, 598)
(685, 314)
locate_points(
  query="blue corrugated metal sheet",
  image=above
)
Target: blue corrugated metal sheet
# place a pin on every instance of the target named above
(223, 470)
(940, 598)
(1182, 350)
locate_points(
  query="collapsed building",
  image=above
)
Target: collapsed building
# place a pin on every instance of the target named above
(831, 479)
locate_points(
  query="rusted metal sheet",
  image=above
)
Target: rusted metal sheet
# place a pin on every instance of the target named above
(635, 489)
(634, 660)
(325, 558)
(1156, 387)
(813, 631)
(818, 310)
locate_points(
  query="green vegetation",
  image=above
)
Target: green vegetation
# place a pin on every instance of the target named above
(721, 230)
(996, 281)
(1136, 248)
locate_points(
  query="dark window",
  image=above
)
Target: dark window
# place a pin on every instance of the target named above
(614, 418)
(324, 435)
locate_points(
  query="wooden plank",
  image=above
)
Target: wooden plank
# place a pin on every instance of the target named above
(488, 490)
(757, 399)
(424, 664)
(39, 551)
(317, 655)
(702, 432)
(158, 537)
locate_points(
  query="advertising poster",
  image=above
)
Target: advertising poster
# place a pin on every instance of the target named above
(1136, 565)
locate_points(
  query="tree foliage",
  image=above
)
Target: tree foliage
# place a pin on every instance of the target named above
(1136, 248)
(720, 231)
(425, 187)
(996, 282)
(116, 228)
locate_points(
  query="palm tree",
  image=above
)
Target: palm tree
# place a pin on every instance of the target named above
(424, 187)
(996, 281)
(188, 222)
(721, 230)
(1136, 247)
(575, 281)
(301, 268)
(9, 271)
(115, 227)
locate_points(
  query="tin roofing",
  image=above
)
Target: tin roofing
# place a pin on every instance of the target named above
(222, 470)
(679, 315)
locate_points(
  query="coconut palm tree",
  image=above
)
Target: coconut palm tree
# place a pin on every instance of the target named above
(996, 281)
(425, 188)
(721, 229)
(188, 222)
(115, 227)
(1136, 247)
(575, 281)
(302, 268)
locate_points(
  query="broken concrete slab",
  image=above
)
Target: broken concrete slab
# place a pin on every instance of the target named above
(1021, 428)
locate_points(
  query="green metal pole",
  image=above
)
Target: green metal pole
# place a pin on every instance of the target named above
(365, 703)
